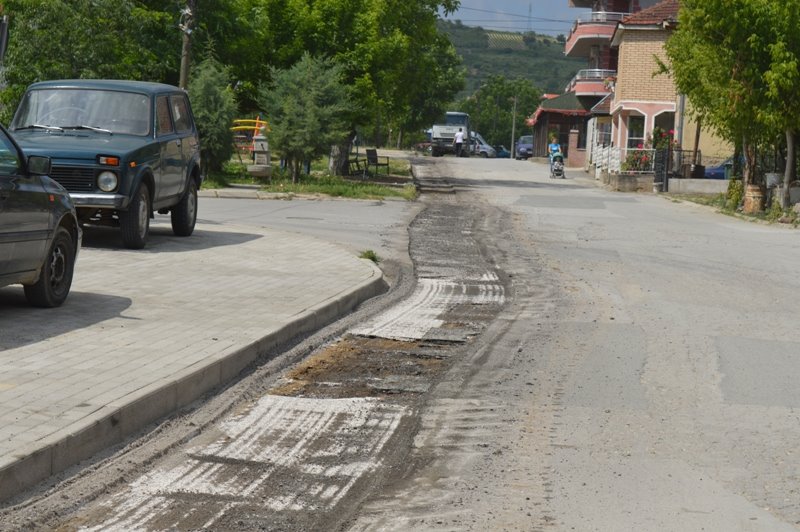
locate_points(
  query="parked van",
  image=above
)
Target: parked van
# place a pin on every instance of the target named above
(479, 146)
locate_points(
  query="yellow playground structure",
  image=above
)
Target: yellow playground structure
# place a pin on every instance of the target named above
(244, 130)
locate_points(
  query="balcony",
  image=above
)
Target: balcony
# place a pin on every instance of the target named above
(595, 28)
(592, 82)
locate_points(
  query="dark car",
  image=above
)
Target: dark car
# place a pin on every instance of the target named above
(524, 147)
(720, 171)
(502, 152)
(39, 232)
(123, 150)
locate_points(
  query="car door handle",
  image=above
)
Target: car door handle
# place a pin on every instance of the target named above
(3, 195)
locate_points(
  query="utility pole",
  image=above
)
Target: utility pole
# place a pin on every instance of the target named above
(186, 25)
(513, 129)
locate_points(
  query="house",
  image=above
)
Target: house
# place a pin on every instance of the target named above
(628, 43)
(571, 119)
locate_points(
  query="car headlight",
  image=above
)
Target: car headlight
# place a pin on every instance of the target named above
(107, 181)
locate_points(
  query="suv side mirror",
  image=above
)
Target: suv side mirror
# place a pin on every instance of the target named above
(38, 165)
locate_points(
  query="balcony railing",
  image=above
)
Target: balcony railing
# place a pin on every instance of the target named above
(597, 17)
(593, 75)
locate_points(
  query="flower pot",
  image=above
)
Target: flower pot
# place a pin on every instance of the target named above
(753, 199)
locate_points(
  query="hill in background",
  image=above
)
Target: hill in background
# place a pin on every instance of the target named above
(539, 58)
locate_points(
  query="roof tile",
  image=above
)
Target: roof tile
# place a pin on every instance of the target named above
(662, 11)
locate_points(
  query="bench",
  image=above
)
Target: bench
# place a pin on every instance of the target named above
(373, 160)
(356, 167)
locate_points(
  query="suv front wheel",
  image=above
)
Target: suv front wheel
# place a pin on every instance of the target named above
(135, 222)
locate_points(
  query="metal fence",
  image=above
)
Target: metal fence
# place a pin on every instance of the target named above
(674, 163)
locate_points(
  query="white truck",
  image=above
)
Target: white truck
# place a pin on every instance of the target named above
(442, 134)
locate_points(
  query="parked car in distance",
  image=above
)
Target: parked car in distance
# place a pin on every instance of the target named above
(524, 147)
(39, 232)
(123, 149)
(479, 146)
(720, 171)
(502, 152)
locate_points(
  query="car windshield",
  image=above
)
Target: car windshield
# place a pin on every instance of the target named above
(104, 110)
(526, 139)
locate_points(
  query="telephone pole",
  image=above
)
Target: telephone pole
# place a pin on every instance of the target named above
(186, 25)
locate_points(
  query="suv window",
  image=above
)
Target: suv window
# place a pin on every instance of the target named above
(163, 119)
(180, 111)
(9, 162)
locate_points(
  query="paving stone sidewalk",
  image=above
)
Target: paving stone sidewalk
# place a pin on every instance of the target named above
(146, 332)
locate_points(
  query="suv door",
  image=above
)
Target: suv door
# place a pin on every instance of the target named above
(185, 130)
(24, 214)
(171, 168)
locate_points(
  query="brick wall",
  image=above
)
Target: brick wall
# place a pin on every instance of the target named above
(635, 80)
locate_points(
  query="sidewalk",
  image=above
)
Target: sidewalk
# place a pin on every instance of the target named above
(144, 333)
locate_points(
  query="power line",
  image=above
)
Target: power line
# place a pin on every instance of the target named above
(526, 17)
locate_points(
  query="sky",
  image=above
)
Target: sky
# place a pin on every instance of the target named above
(550, 17)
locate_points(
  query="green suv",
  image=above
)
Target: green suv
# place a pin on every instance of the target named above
(123, 149)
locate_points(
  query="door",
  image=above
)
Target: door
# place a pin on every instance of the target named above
(184, 129)
(24, 214)
(171, 164)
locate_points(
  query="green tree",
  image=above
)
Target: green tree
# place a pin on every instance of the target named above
(57, 39)
(491, 107)
(391, 53)
(308, 108)
(214, 108)
(719, 55)
(783, 84)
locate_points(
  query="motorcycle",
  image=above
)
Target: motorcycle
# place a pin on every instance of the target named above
(557, 166)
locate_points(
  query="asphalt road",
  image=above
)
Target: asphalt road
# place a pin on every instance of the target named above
(566, 358)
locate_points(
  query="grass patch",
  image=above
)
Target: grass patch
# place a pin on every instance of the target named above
(370, 255)
(712, 200)
(319, 182)
(233, 173)
(338, 187)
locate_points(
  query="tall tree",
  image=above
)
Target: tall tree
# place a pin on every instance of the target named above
(491, 108)
(783, 83)
(401, 70)
(214, 108)
(308, 109)
(720, 55)
(56, 39)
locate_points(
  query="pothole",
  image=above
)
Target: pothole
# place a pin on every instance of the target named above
(356, 366)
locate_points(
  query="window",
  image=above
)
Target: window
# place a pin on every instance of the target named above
(635, 132)
(603, 135)
(163, 118)
(9, 162)
(180, 110)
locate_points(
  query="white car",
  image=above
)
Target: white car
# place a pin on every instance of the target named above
(479, 146)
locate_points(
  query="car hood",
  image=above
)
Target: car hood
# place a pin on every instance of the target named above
(77, 144)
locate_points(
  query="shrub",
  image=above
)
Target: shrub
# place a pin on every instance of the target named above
(214, 107)
(733, 197)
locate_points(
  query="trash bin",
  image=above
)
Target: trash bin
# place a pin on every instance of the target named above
(773, 179)
(698, 171)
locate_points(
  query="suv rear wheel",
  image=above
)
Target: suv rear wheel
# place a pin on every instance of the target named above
(184, 214)
(135, 222)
